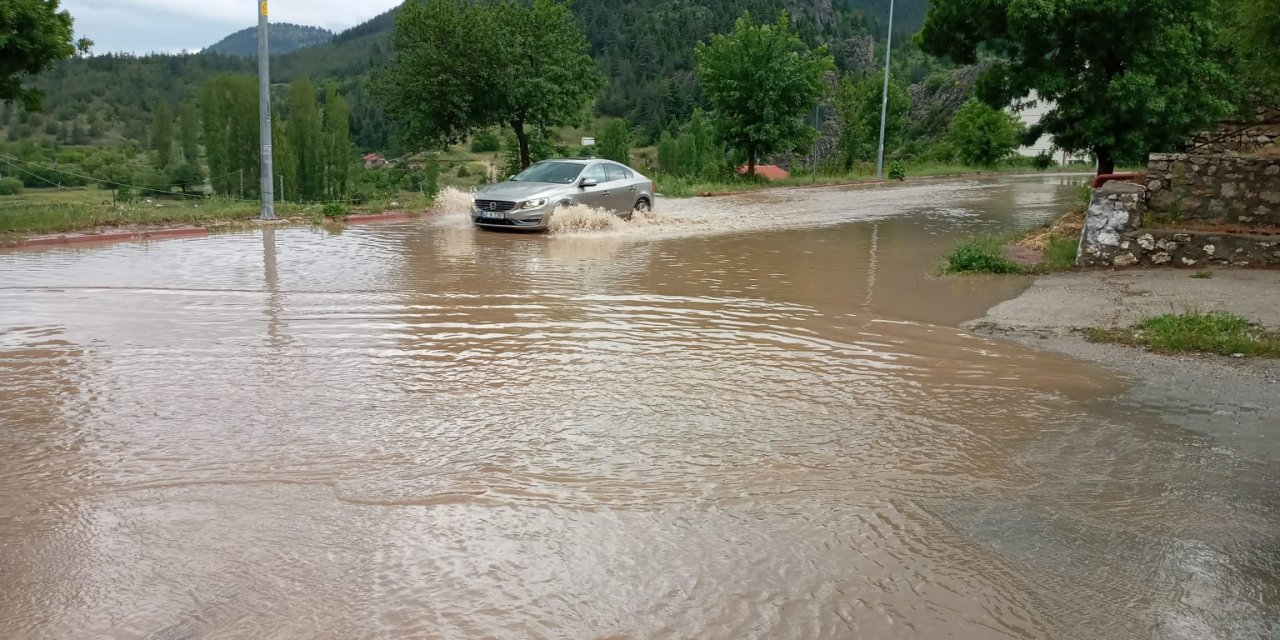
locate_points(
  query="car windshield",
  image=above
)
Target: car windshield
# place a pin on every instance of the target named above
(550, 172)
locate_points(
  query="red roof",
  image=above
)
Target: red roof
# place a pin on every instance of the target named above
(769, 172)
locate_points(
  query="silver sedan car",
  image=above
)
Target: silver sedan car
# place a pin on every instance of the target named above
(528, 200)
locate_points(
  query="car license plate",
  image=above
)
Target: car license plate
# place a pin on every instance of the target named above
(498, 215)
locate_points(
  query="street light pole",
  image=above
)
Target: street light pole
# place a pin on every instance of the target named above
(884, 104)
(264, 113)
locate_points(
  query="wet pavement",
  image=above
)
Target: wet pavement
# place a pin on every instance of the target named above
(748, 417)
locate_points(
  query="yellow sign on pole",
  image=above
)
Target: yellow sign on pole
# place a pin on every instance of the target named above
(264, 7)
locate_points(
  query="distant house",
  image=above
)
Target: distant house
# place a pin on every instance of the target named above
(374, 161)
(1030, 110)
(769, 172)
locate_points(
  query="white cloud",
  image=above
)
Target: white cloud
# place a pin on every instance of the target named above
(143, 26)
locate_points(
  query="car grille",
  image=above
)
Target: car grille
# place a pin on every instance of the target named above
(495, 205)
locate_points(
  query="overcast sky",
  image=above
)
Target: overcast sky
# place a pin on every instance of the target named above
(145, 26)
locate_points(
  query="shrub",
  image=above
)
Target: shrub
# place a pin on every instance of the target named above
(983, 136)
(979, 255)
(11, 187)
(463, 172)
(1042, 162)
(334, 210)
(897, 171)
(485, 142)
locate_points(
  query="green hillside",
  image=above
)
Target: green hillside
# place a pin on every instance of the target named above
(285, 38)
(644, 48)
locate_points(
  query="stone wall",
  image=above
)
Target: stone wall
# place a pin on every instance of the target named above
(1114, 236)
(1214, 189)
(1165, 247)
(1116, 208)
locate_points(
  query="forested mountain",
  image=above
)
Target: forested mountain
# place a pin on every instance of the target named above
(285, 37)
(644, 48)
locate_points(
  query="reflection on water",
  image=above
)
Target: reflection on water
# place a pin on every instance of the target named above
(750, 420)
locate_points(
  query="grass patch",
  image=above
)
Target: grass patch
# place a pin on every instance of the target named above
(1203, 275)
(979, 255)
(1216, 332)
(1060, 253)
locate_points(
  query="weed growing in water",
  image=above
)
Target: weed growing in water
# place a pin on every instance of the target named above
(979, 255)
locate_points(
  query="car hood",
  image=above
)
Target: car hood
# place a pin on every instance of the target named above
(518, 191)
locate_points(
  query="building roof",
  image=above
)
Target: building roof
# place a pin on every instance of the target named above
(769, 172)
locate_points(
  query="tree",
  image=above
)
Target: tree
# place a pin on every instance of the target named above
(460, 67)
(229, 118)
(162, 135)
(1254, 32)
(34, 35)
(707, 151)
(1123, 77)
(337, 138)
(858, 106)
(983, 136)
(762, 83)
(188, 132)
(185, 176)
(667, 154)
(304, 136)
(615, 142)
(78, 135)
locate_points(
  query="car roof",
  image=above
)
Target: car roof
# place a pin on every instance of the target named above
(582, 161)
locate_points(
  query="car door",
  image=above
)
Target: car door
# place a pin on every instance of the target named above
(622, 188)
(597, 196)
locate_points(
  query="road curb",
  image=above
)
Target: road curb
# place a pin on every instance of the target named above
(116, 236)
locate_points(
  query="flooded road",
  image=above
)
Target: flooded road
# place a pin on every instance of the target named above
(748, 418)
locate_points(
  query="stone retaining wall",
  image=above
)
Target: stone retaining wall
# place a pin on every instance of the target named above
(1155, 247)
(1209, 189)
(1114, 237)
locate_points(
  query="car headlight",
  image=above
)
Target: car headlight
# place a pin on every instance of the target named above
(533, 204)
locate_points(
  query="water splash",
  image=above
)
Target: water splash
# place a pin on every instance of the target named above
(452, 207)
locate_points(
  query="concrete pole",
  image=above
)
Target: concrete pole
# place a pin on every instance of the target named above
(884, 105)
(264, 114)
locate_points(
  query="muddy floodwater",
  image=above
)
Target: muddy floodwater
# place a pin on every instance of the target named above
(746, 417)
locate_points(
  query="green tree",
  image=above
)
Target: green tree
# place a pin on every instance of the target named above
(162, 135)
(460, 67)
(34, 35)
(615, 142)
(858, 106)
(762, 83)
(189, 132)
(1254, 31)
(1124, 77)
(337, 137)
(708, 153)
(667, 154)
(983, 136)
(185, 176)
(78, 135)
(229, 119)
(304, 137)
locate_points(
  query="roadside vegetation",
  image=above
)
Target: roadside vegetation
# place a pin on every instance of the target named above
(980, 255)
(50, 211)
(1217, 333)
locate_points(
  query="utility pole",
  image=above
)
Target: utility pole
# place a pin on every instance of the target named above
(884, 104)
(264, 113)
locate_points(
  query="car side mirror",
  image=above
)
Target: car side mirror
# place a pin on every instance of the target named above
(587, 182)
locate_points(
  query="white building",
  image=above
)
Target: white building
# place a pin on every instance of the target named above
(1031, 115)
